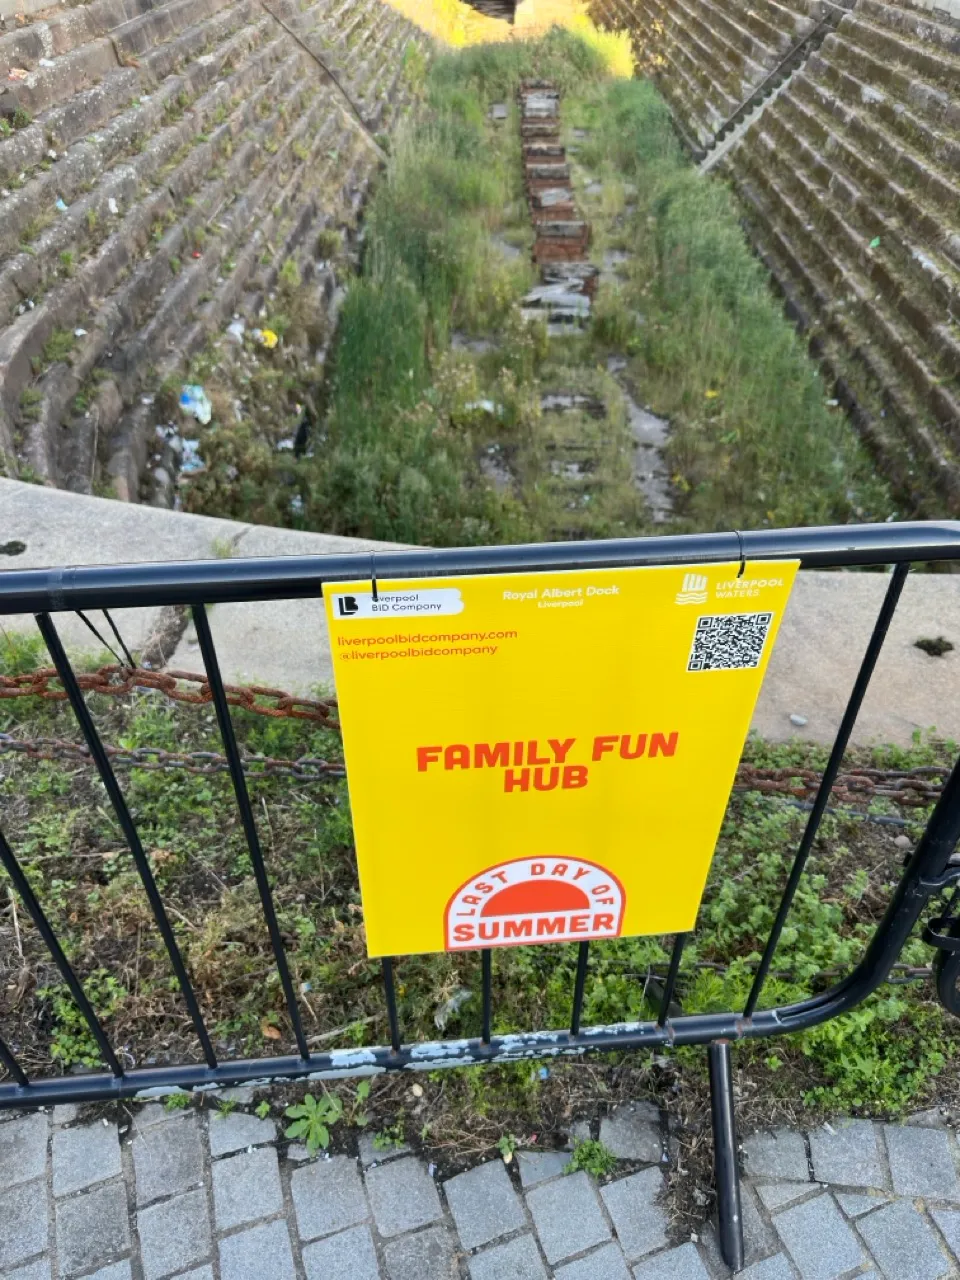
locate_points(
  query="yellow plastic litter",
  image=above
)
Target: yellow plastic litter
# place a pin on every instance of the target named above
(269, 339)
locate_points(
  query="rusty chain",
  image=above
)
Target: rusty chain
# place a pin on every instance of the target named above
(115, 680)
(909, 788)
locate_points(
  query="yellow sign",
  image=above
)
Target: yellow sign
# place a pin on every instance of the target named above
(545, 757)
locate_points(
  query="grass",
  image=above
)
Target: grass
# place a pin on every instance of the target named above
(415, 438)
(884, 1058)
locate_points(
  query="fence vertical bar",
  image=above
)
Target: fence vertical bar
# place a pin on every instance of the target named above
(12, 1065)
(583, 956)
(867, 666)
(130, 833)
(486, 965)
(229, 738)
(729, 1212)
(679, 942)
(390, 992)
(23, 887)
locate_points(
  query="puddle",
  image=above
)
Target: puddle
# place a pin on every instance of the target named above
(649, 469)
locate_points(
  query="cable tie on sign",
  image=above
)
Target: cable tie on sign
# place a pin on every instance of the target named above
(373, 575)
(743, 560)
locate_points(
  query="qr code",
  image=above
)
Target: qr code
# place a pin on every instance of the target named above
(729, 641)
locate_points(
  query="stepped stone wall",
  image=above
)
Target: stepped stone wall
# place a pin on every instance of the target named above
(168, 158)
(850, 183)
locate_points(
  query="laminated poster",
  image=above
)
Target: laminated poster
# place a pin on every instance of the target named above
(545, 757)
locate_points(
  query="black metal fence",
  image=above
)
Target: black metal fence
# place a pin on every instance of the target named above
(928, 871)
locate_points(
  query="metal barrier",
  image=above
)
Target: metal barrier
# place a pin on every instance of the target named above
(929, 870)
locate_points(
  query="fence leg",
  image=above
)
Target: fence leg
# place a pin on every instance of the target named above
(730, 1217)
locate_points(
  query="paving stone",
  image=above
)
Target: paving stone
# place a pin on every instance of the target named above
(758, 1239)
(427, 1253)
(349, 1255)
(371, 1154)
(776, 1268)
(676, 1264)
(39, 1270)
(932, 1118)
(848, 1157)
(921, 1161)
(65, 1113)
(567, 1216)
(776, 1155)
(92, 1228)
(328, 1196)
(201, 1273)
(605, 1263)
(630, 1135)
(116, 1271)
(246, 1187)
(237, 1130)
(517, 1260)
(84, 1156)
(174, 1234)
(167, 1158)
(23, 1222)
(155, 1113)
(262, 1252)
(538, 1166)
(640, 1222)
(948, 1220)
(484, 1204)
(778, 1195)
(402, 1196)
(23, 1149)
(856, 1206)
(817, 1238)
(903, 1244)
(579, 1132)
(241, 1094)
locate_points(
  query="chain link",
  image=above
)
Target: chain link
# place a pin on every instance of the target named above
(909, 788)
(115, 680)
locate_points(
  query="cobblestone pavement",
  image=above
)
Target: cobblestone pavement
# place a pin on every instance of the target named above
(206, 1196)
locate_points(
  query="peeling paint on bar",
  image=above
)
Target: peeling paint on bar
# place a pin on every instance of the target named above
(345, 1073)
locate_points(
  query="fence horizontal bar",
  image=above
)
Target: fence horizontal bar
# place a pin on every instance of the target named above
(292, 577)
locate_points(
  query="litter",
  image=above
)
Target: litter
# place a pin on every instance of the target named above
(191, 461)
(195, 402)
(46, 62)
(236, 330)
(268, 339)
(62, 206)
(112, 205)
(17, 73)
(451, 1007)
(79, 333)
(875, 242)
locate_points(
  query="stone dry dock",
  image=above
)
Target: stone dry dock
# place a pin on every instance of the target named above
(212, 1196)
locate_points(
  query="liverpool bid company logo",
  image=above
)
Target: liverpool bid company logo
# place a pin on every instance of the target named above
(694, 590)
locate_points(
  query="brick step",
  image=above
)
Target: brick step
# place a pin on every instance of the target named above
(148, 307)
(897, 429)
(893, 162)
(849, 289)
(722, 89)
(848, 174)
(159, 26)
(915, 24)
(922, 116)
(90, 214)
(926, 61)
(29, 332)
(743, 51)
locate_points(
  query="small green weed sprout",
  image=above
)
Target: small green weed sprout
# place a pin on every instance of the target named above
(313, 1120)
(592, 1157)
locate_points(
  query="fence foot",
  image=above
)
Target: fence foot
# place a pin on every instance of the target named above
(730, 1217)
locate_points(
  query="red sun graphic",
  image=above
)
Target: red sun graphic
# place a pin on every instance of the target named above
(545, 899)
